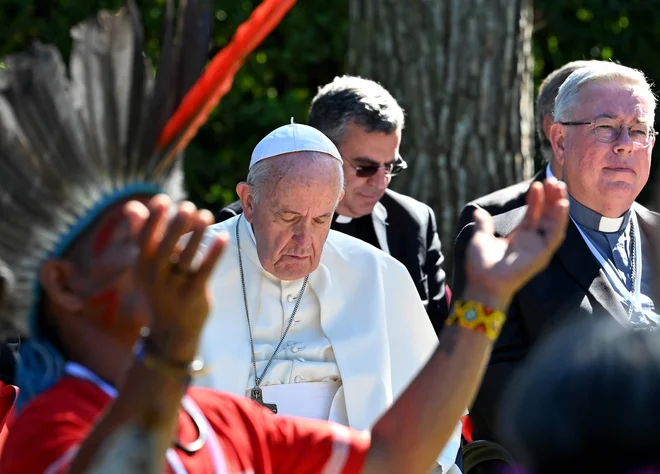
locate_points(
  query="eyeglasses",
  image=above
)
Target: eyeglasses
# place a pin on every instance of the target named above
(607, 131)
(391, 169)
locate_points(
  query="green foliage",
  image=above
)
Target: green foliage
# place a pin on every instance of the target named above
(308, 50)
(276, 83)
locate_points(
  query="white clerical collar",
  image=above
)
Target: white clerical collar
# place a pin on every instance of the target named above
(379, 212)
(591, 219)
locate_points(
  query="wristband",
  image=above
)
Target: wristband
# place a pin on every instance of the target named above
(478, 317)
(147, 355)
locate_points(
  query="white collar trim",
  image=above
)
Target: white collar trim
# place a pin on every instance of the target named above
(610, 224)
(379, 213)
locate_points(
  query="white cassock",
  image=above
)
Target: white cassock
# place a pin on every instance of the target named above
(359, 337)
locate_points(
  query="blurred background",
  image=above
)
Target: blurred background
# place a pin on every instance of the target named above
(466, 73)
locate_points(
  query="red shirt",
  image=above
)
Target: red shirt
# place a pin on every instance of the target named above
(8, 395)
(44, 437)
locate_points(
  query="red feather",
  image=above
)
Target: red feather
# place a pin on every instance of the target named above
(217, 79)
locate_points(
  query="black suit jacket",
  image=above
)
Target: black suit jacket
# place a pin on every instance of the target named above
(228, 212)
(9, 359)
(412, 238)
(500, 201)
(572, 286)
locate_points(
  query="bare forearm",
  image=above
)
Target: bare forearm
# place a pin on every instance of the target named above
(409, 437)
(145, 411)
(148, 402)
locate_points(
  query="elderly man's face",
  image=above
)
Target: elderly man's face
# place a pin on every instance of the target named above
(363, 149)
(606, 177)
(292, 219)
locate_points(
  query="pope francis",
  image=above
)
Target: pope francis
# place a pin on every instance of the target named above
(310, 322)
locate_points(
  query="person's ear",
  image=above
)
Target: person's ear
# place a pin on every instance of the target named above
(557, 140)
(247, 200)
(548, 121)
(55, 278)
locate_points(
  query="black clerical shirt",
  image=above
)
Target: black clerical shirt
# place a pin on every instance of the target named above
(361, 228)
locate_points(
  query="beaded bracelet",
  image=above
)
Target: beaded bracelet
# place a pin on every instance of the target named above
(478, 317)
(152, 359)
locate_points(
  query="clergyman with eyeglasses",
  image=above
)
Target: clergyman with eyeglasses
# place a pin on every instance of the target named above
(602, 137)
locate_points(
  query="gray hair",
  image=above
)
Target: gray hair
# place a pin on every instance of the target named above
(264, 170)
(353, 99)
(603, 72)
(545, 102)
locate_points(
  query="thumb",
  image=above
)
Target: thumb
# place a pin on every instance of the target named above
(483, 222)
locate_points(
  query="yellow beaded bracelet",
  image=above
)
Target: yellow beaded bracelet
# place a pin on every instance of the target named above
(478, 317)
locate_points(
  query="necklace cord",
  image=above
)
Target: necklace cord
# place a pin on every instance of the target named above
(259, 379)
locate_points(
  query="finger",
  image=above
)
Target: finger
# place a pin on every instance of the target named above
(555, 223)
(152, 232)
(136, 214)
(535, 202)
(156, 208)
(558, 220)
(178, 225)
(554, 191)
(483, 221)
(217, 246)
(200, 223)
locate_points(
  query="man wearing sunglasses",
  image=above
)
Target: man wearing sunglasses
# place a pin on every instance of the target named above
(365, 122)
(602, 136)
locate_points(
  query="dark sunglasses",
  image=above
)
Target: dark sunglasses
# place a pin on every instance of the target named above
(392, 169)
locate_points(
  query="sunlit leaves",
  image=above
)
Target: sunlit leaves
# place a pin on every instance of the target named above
(583, 14)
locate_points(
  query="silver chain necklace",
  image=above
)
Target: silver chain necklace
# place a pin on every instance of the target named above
(255, 392)
(633, 267)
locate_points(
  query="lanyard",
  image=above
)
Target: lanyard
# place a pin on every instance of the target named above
(76, 370)
(633, 298)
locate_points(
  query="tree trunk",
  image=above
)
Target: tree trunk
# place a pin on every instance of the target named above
(462, 70)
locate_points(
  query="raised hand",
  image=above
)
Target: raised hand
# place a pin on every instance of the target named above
(500, 266)
(176, 290)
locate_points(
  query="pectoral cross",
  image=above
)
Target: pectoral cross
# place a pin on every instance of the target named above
(255, 394)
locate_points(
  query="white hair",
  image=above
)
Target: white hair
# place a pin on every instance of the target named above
(601, 72)
(264, 170)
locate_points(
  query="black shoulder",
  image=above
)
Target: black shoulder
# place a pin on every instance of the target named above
(229, 211)
(398, 204)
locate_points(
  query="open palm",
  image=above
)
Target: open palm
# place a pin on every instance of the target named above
(176, 289)
(501, 265)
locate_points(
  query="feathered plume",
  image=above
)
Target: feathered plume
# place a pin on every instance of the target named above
(218, 77)
(72, 146)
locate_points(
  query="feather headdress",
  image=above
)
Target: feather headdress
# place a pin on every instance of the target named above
(72, 145)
